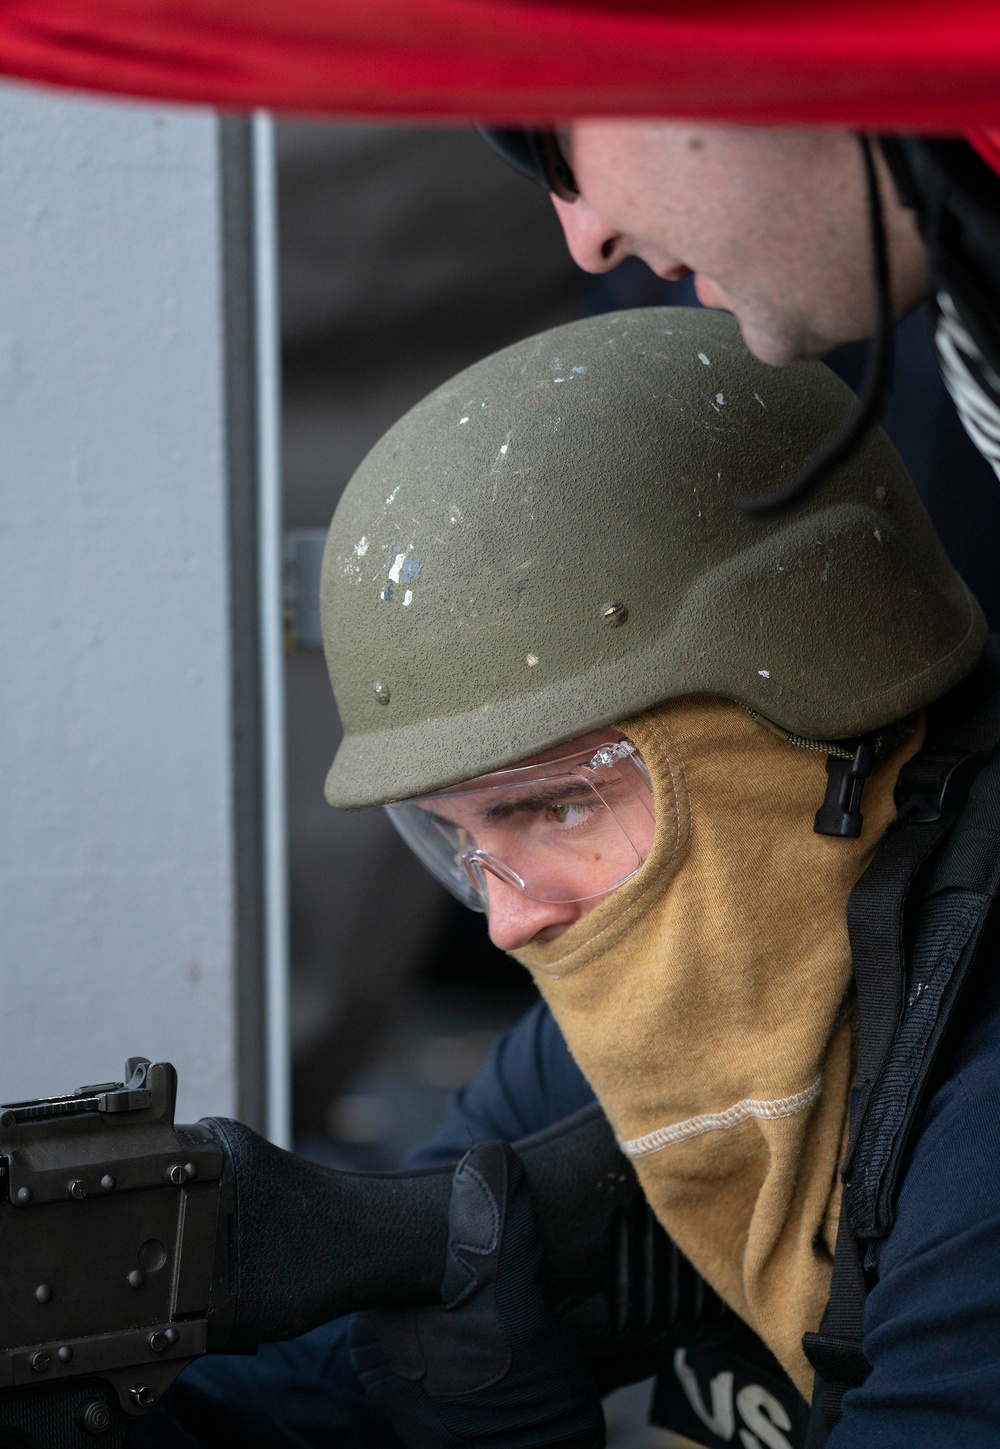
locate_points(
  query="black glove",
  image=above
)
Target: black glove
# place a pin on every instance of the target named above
(490, 1365)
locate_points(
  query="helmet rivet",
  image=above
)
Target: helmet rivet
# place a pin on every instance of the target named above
(614, 614)
(381, 693)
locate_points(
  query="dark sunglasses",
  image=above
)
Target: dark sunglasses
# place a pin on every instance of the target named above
(536, 155)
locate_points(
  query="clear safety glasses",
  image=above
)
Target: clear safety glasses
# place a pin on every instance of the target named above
(567, 830)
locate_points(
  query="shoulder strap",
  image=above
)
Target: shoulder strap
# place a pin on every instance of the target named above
(916, 921)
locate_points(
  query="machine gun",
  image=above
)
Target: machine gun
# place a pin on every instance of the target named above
(129, 1246)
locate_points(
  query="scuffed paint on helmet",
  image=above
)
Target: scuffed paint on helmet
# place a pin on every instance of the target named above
(550, 543)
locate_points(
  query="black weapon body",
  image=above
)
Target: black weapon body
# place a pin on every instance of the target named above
(129, 1246)
(109, 1218)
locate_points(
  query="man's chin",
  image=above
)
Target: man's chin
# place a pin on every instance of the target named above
(775, 344)
(776, 350)
(779, 345)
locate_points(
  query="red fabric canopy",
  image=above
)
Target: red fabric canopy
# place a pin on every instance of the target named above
(930, 65)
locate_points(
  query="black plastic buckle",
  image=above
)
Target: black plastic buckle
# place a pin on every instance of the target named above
(840, 812)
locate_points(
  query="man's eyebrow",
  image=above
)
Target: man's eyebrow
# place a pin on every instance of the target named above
(536, 800)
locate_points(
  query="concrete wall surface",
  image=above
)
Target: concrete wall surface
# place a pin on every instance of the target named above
(116, 853)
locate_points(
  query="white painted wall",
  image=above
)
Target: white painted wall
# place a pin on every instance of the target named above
(117, 876)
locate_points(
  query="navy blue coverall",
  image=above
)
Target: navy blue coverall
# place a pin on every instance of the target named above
(932, 1320)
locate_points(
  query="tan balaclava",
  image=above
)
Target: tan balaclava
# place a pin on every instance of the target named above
(708, 1002)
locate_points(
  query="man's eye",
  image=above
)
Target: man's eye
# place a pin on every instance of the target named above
(568, 814)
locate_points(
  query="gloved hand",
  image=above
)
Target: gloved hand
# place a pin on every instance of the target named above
(490, 1365)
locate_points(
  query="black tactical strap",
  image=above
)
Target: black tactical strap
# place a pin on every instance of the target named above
(949, 930)
(875, 925)
(835, 1352)
(929, 799)
(937, 883)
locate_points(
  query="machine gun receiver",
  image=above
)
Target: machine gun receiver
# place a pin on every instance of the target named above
(108, 1231)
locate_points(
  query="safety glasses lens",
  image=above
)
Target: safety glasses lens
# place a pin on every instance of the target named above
(567, 836)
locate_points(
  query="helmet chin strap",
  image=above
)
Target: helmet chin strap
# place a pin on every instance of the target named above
(848, 765)
(877, 378)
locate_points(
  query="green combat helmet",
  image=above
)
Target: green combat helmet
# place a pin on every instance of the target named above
(550, 543)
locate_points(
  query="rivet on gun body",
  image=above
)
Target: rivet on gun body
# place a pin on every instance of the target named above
(65, 1354)
(43, 1293)
(7, 1118)
(142, 1396)
(108, 1183)
(177, 1174)
(157, 1342)
(136, 1278)
(40, 1362)
(77, 1188)
(24, 1195)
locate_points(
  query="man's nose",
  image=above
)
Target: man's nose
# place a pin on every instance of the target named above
(514, 919)
(593, 244)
